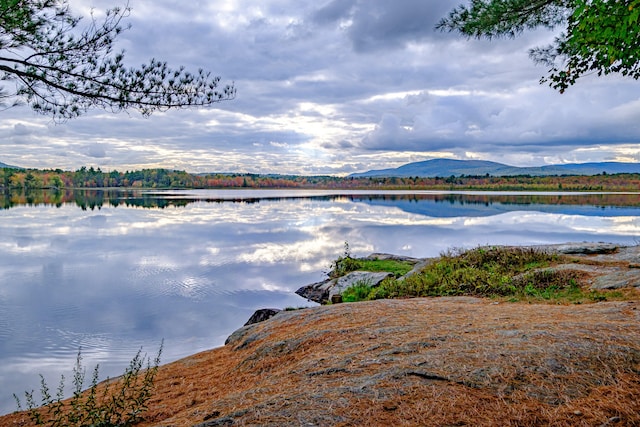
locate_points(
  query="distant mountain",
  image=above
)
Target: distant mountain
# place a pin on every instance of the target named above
(598, 168)
(4, 165)
(448, 167)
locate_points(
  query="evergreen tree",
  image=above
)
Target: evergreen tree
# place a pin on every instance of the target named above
(62, 70)
(599, 36)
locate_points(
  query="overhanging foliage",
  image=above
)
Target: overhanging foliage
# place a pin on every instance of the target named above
(61, 70)
(599, 36)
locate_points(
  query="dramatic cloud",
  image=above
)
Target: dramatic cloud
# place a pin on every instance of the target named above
(96, 150)
(335, 87)
(374, 25)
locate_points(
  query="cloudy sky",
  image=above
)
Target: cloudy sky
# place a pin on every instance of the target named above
(334, 87)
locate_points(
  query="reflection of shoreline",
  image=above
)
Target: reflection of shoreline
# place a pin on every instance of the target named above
(429, 204)
(461, 205)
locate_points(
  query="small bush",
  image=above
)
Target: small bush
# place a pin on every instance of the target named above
(359, 291)
(344, 264)
(544, 282)
(120, 406)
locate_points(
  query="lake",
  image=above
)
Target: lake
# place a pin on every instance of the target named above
(111, 272)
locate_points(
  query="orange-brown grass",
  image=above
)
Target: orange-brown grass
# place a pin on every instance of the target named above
(432, 362)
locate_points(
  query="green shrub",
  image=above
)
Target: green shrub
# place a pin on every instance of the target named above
(344, 264)
(359, 291)
(119, 406)
(547, 283)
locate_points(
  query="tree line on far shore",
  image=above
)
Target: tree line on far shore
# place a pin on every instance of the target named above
(33, 179)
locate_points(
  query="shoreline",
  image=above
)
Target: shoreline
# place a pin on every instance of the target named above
(421, 361)
(418, 361)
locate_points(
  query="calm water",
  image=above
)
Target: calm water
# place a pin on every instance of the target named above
(113, 272)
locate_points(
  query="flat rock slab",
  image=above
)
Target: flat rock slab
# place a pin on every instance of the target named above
(610, 266)
(394, 356)
(321, 292)
(392, 257)
(366, 278)
(582, 248)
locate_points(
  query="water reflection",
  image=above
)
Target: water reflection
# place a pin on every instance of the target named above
(113, 271)
(426, 203)
(456, 205)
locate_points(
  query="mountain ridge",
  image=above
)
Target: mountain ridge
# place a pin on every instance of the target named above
(4, 165)
(452, 167)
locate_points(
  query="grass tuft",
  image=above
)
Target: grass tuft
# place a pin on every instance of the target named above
(346, 263)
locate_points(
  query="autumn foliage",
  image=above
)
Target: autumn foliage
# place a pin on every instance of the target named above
(165, 178)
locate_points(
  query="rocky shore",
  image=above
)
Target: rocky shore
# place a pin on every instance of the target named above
(610, 267)
(422, 361)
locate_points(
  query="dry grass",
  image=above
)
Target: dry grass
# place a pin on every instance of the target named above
(434, 362)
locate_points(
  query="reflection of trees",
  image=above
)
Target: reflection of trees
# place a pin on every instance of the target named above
(20, 197)
(86, 199)
(95, 199)
(603, 200)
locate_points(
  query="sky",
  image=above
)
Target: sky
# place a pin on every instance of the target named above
(334, 87)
